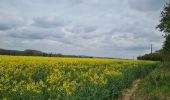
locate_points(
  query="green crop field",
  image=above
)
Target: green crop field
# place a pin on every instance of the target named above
(57, 78)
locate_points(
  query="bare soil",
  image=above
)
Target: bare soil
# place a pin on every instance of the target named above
(127, 94)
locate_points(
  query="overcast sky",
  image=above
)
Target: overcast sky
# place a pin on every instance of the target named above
(105, 28)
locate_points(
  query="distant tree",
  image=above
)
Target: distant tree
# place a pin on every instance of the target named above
(164, 26)
(156, 56)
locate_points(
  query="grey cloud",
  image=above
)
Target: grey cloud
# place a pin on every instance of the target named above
(68, 2)
(146, 5)
(7, 24)
(27, 35)
(4, 27)
(91, 36)
(78, 29)
(87, 27)
(90, 29)
(46, 22)
(66, 41)
(32, 33)
(137, 48)
(73, 2)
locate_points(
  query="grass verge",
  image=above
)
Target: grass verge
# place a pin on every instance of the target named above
(156, 86)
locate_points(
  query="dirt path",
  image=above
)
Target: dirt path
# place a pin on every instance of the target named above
(127, 94)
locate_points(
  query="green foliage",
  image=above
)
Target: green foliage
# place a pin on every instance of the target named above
(157, 56)
(156, 86)
(166, 48)
(164, 25)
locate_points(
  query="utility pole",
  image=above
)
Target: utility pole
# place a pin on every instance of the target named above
(151, 48)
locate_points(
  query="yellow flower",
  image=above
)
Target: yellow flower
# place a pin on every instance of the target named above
(5, 98)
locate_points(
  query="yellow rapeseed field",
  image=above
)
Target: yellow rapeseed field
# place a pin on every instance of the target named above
(24, 78)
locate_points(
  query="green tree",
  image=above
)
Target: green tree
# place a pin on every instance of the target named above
(164, 26)
(166, 48)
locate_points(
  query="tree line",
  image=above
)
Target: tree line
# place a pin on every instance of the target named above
(30, 52)
(156, 56)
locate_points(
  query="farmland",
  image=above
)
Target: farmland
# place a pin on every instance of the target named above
(59, 78)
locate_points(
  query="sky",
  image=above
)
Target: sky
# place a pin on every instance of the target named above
(101, 28)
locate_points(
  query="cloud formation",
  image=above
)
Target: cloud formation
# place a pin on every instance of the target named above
(47, 22)
(8, 24)
(112, 28)
(146, 5)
